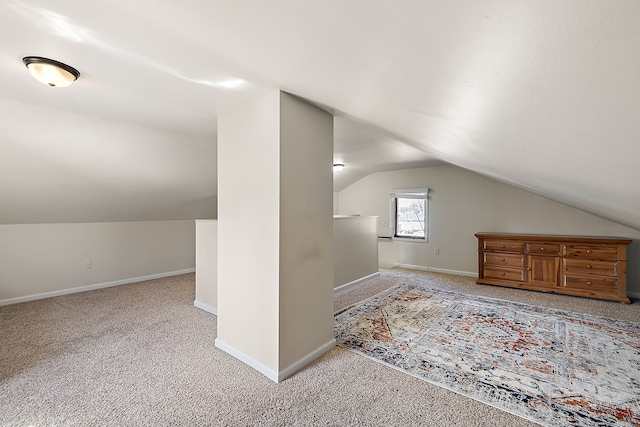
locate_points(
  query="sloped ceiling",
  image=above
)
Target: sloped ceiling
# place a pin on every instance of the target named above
(544, 95)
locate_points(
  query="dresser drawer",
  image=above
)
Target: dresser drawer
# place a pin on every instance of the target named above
(507, 260)
(543, 248)
(585, 266)
(503, 273)
(503, 246)
(596, 284)
(591, 252)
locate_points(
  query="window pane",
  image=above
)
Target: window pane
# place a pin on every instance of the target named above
(410, 217)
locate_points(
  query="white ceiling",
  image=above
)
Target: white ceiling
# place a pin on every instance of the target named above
(544, 95)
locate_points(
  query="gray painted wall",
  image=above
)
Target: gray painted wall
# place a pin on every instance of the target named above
(47, 259)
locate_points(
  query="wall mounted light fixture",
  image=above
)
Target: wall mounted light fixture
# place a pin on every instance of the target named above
(50, 72)
(337, 167)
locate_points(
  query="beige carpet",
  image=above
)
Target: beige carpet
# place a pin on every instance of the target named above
(143, 355)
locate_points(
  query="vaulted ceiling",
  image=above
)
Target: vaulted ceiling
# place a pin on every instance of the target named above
(544, 95)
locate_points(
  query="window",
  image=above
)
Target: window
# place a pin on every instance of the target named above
(410, 213)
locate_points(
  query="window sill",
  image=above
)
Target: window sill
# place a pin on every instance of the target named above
(409, 240)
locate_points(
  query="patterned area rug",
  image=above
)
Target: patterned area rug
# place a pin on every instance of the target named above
(552, 367)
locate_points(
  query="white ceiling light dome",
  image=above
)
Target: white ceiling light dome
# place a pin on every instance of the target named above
(50, 72)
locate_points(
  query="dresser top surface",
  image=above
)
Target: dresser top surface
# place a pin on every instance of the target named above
(554, 238)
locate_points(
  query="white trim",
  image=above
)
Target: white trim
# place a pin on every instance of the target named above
(205, 307)
(409, 240)
(295, 367)
(438, 270)
(422, 192)
(272, 374)
(355, 282)
(44, 295)
(263, 369)
(415, 193)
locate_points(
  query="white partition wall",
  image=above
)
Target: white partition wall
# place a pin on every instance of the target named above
(207, 265)
(275, 240)
(355, 248)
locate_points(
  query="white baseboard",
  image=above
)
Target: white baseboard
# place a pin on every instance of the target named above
(295, 367)
(272, 374)
(93, 287)
(205, 307)
(263, 369)
(438, 270)
(355, 282)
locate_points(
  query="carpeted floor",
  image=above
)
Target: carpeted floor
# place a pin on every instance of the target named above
(142, 354)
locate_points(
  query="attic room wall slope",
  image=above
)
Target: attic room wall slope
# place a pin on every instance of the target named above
(613, 206)
(41, 260)
(463, 203)
(61, 167)
(580, 206)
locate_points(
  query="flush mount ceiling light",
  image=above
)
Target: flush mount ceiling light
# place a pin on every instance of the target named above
(50, 72)
(337, 167)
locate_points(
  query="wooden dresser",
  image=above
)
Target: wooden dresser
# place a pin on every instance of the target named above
(594, 267)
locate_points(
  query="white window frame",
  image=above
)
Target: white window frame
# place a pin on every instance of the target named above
(418, 193)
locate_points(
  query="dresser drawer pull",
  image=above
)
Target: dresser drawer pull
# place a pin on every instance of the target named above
(588, 251)
(502, 273)
(589, 283)
(542, 249)
(589, 267)
(502, 246)
(502, 259)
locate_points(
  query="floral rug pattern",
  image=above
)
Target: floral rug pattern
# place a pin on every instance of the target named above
(550, 366)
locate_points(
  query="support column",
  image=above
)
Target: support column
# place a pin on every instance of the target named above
(275, 234)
